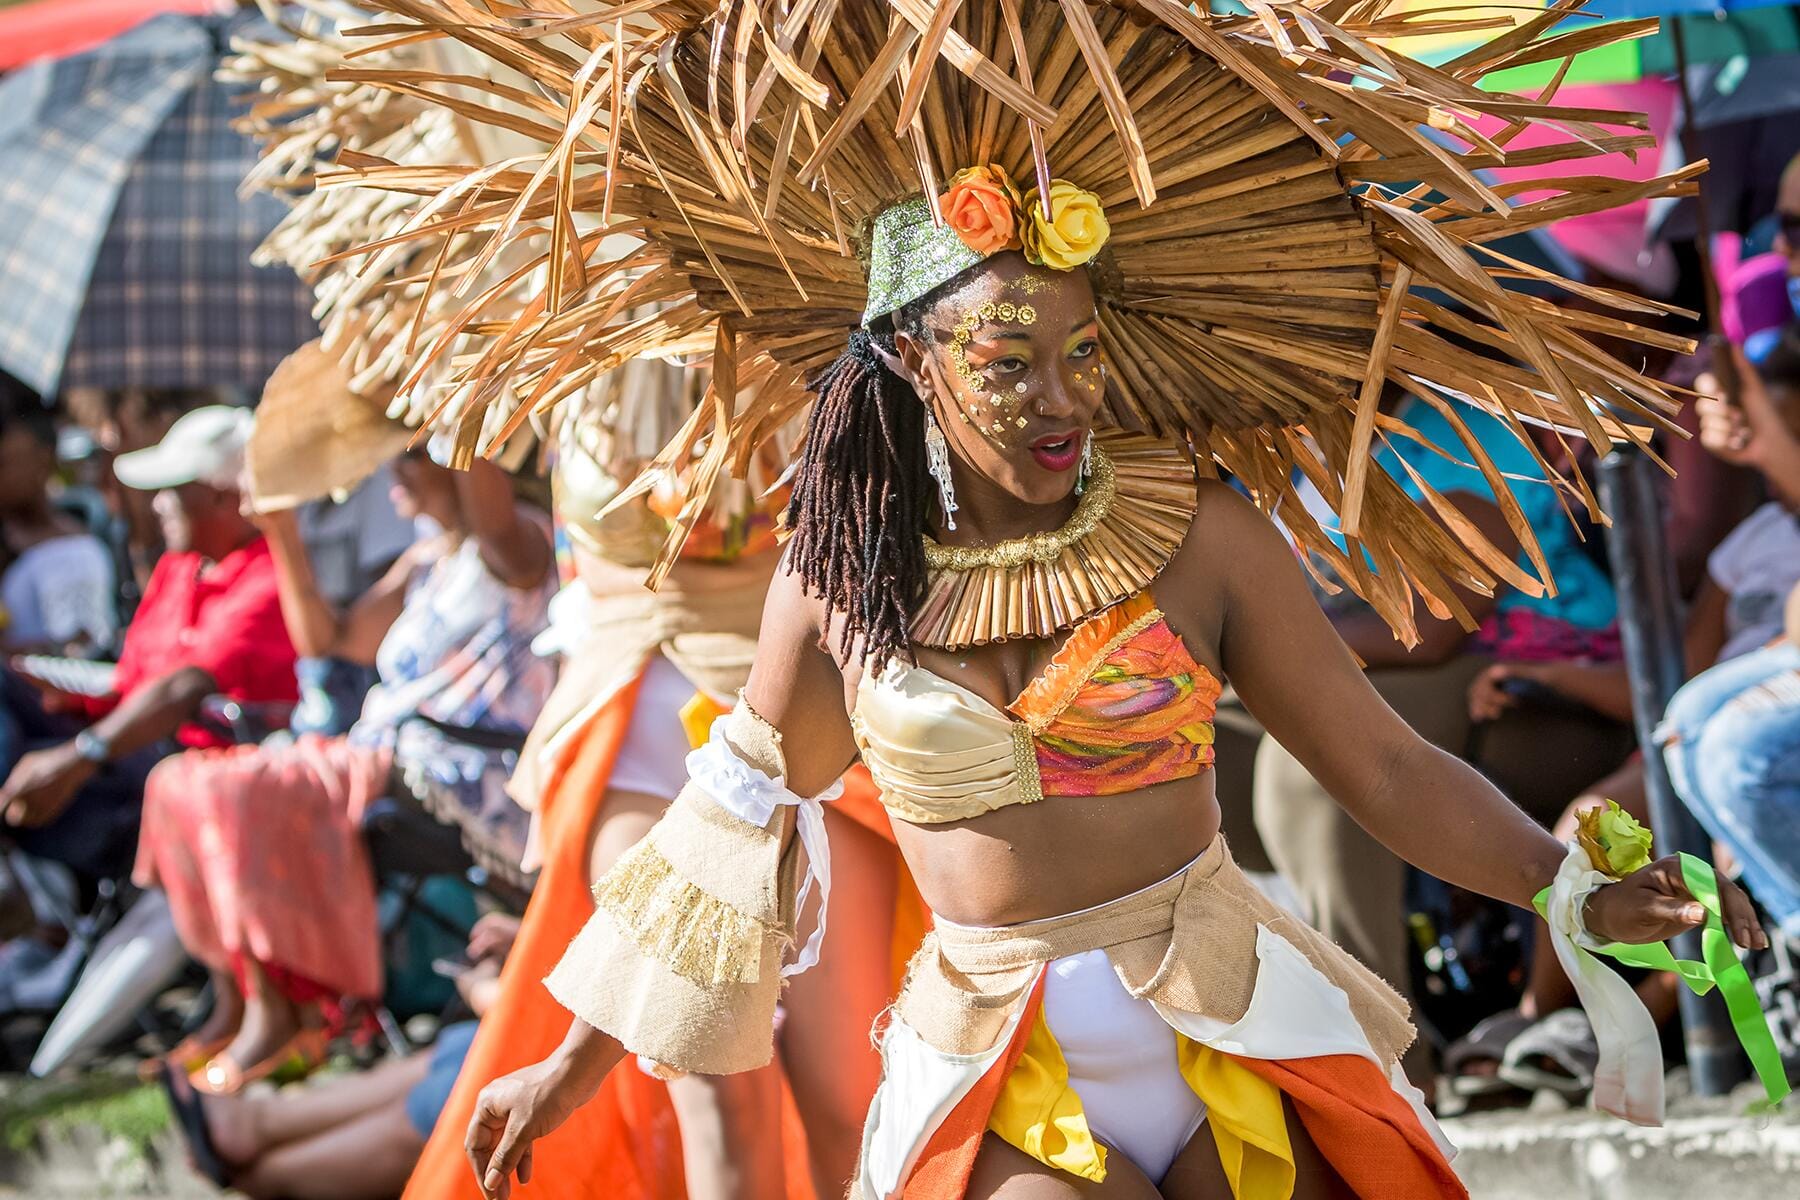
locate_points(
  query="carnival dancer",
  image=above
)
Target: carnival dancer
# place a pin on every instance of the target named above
(645, 674)
(985, 242)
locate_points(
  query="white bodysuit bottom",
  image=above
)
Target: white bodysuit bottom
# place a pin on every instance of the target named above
(1123, 1059)
(653, 759)
(1123, 1063)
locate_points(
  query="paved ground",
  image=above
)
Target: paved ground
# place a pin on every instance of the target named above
(1709, 1150)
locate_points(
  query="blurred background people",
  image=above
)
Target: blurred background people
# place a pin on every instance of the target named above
(259, 847)
(58, 591)
(209, 623)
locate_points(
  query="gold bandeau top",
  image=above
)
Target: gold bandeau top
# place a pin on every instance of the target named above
(1121, 706)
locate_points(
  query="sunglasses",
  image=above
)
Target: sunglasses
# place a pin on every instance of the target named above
(1789, 224)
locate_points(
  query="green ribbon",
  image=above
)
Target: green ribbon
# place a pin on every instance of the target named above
(1720, 967)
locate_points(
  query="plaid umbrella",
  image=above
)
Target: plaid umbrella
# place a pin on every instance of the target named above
(124, 246)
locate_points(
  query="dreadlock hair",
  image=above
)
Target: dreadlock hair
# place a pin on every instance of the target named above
(861, 500)
(862, 496)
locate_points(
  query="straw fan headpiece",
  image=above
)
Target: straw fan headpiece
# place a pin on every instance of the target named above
(1279, 214)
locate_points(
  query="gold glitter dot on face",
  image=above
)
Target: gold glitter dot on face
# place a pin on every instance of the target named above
(1020, 422)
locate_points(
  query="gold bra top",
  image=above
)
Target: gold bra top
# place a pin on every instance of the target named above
(1121, 706)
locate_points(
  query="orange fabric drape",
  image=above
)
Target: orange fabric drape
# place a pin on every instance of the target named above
(624, 1144)
(1368, 1134)
(1365, 1130)
(948, 1159)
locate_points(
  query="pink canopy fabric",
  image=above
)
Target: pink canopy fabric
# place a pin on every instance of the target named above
(1617, 240)
(58, 27)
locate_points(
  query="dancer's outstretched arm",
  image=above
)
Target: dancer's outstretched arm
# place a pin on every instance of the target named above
(1429, 807)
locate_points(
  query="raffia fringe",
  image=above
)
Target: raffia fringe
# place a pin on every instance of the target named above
(693, 934)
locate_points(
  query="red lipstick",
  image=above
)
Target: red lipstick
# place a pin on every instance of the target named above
(1058, 451)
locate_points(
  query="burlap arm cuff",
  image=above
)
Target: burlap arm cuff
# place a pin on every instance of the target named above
(681, 961)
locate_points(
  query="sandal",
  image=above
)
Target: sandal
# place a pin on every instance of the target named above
(190, 1055)
(223, 1076)
(1558, 1054)
(1487, 1042)
(190, 1119)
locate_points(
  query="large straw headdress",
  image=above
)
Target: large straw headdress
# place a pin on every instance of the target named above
(1298, 215)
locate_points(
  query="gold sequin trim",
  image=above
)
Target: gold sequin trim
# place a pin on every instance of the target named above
(1096, 502)
(1025, 765)
(695, 935)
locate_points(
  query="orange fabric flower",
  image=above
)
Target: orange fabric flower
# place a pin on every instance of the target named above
(982, 206)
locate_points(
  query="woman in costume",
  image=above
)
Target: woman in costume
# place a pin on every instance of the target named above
(1020, 616)
(645, 675)
(1099, 944)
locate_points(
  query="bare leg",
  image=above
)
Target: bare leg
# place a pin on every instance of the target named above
(1198, 1175)
(1004, 1172)
(246, 1127)
(730, 1135)
(830, 1060)
(270, 1020)
(227, 1015)
(730, 1126)
(367, 1158)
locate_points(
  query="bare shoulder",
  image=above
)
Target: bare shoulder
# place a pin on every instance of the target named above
(791, 646)
(790, 609)
(796, 684)
(1228, 538)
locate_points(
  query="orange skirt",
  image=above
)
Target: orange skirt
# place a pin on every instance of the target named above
(625, 1144)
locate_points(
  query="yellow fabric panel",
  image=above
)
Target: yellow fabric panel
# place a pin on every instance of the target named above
(1244, 1112)
(1039, 1113)
(697, 717)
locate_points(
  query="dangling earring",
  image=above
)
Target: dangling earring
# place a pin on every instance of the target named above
(937, 461)
(1087, 463)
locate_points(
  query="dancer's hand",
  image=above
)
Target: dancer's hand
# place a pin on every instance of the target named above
(1654, 904)
(515, 1110)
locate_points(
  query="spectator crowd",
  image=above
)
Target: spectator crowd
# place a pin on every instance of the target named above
(296, 722)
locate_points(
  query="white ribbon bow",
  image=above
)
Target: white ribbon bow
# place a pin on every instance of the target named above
(749, 795)
(1628, 1079)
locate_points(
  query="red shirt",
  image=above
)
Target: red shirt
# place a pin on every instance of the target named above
(224, 619)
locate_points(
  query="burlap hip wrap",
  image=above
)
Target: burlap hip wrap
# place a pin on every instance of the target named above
(1188, 943)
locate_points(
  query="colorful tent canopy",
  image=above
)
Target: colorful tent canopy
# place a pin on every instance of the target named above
(1731, 31)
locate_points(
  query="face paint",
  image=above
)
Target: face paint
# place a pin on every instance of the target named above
(1003, 402)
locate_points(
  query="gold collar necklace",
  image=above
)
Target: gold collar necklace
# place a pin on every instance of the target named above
(1132, 517)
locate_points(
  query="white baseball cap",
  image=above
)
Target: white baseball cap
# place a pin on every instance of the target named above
(203, 446)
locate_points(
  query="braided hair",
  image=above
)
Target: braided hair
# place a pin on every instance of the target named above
(862, 496)
(861, 500)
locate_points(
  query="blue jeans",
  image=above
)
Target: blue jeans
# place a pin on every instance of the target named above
(1731, 738)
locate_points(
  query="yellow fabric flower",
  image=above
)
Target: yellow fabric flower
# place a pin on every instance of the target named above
(1073, 232)
(1616, 843)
